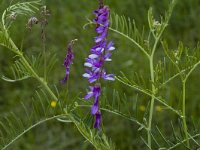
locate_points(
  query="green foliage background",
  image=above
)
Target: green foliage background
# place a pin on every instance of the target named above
(66, 23)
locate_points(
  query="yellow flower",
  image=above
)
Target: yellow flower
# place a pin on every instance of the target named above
(159, 109)
(142, 108)
(53, 103)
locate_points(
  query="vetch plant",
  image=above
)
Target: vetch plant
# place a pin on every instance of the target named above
(100, 53)
(54, 102)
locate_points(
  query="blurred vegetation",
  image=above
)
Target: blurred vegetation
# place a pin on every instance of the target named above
(66, 23)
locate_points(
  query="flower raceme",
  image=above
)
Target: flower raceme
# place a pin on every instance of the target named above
(68, 59)
(100, 53)
(95, 92)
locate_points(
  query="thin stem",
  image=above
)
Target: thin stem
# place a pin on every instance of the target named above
(184, 102)
(43, 36)
(119, 114)
(150, 94)
(180, 73)
(152, 80)
(152, 101)
(31, 127)
(184, 116)
(12, 45)
(35, 75)
(192, 69)
(137, 44)
(173, 77)
(41, 80)
(124, 35)
(181, 142)
(45, 61)
(151, 59)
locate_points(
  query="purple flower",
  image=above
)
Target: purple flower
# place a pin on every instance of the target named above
(110, 46)
(100, 53)
(68, 60)
(95, 106)
(92, 77)
(97, 121)
(107, 76)
(94, 92)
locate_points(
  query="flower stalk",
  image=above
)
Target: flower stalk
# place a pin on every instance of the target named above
(68, 60)
(100, 53)
(184, 113)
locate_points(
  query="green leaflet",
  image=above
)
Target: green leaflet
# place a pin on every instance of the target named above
(1, 38)
(14, 80)
(19, 72)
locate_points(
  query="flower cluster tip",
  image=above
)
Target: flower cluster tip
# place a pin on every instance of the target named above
(68, 59)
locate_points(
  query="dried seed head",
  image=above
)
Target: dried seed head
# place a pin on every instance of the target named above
(32, 21)
(44, 14)
(44, 11)
(101, 4)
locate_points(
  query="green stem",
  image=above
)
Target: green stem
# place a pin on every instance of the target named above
(184, 102)
(132, 40)
(115, 112)
(152, 100)
(31, 127)
(41, 80)
(191, 70)
(151, 59)
(181, 142)
(30, 69)
(184, 80)
(126, 36)
(162, 101)
(45, 61)
(183, 112)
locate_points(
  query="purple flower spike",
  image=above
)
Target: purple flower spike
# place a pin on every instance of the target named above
(95, 92)
(97, 121)
(100, 53)
(68, 60)
(95, 106)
